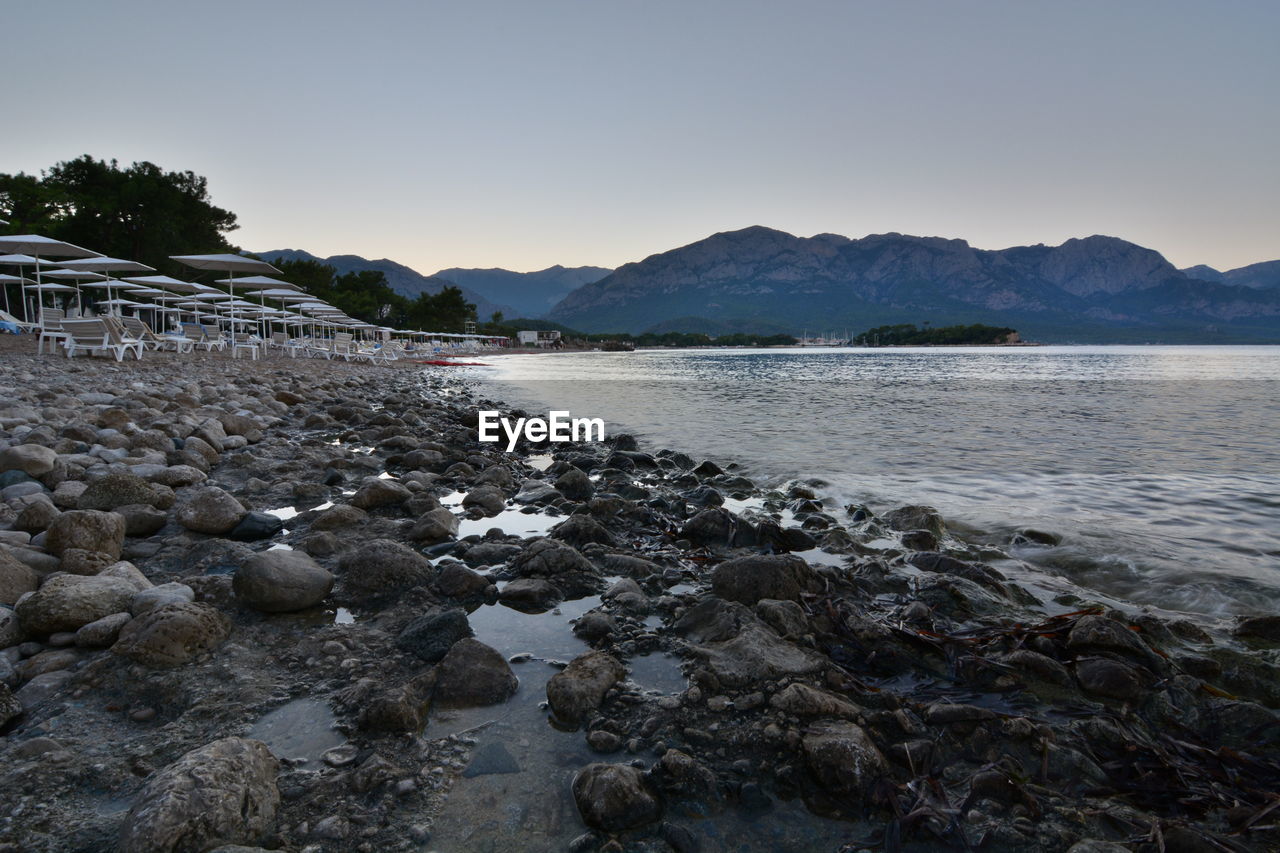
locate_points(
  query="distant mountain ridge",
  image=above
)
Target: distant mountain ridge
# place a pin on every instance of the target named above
(1263, 276)
(531, 294)
(403, 280)
(763, 280)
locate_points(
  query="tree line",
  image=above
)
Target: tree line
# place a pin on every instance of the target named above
(906, 334)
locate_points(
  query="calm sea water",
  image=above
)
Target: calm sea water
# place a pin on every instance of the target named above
(1159, 466)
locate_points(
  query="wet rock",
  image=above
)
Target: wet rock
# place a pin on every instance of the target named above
(801, 700)
(158, 596)
(580, 530)
(1100, 634)
(1038, 667)
(577, 690)
(436, 525)
(121, 488)
(322, 544)
(1109, 678)
(495, 475)
(488, 499)
(1266, 628)
(909, 518)
(932, 561)
(16, 578)
(548, 558)
(719, 527)
(740, 649)
(380, 492)
(530, 595)
(381, 565)
(687, 777)
(42, 688)
(473, 674)
(595, 626)
(604, 741)
(399, 709)
(221, 793)
(920, 540)
(86, 530)
(335, 518)
(103, 632)
(1094, 845)
(615, 797)
(68, 602)
(1031, 536)
(210, 510)
(536, 492)
(953, 713)
(255, 526)
(141, 519)
(489, 554)
(459, 582)
(281, 581)
(10, 707)
(172, 635)
(632, 567)
(575, 485)
(785, 617)
(431, 635)
(34, 460)
(775, 576)
(843, 759)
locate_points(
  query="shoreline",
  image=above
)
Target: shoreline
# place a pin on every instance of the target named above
(919, 672)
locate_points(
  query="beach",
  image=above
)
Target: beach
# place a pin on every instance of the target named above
(296, 605)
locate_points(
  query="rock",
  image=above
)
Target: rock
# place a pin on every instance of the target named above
(785, 617)
(87, 530)
(547, 558)
(141, 519)
(338, 517)
(121, 488)
(221, 793)
(575, 485)
(489, 554)
(495, 475)
(322, 544)
(68, 602)
(10, 707)
(128, 572)
(36, 516)
(399, 709)
(530, 595)
(952, 713)
(687, 777)
(11, 631)
(33, 460)
(776, 576)
(435, 525)
(103, 632)
(255, 526)
(488, 499)
(580, 530)
(172, 635)
(431, 635)
(473, 674)
(381, 565)
(210, 510)
(1266, 628)
(615, 797)
(920, 540)
(595, 626)
(843, 759)
(457, 581)
(717, 527)
(177, 476)
(801, 700)
(536, 492)
(910, 518)
(1038, 667)
(67, 494)
(1105, 677)
(379, 492)
(601, 740)
(158, 596)
(579, 688)
(41, 688)
(740, 649)
(1094, 845)
(1100, 634)
(281, 581)
(16, 578)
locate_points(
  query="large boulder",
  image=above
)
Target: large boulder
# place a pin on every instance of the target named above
(381, 565)
(844, 760)
(579, 688)
(473, 674)
(222, 793)
(86, 530)
(172, 635)
(16, 578)
(580, 530)
(68, 602)
(739, 648)
(120, 488)
(764, 576)
(431, 635)
(560, 563)
(209, 509)
(615, 797)
(489, 500)
(575, 485)
(281, 581)
(32, 459)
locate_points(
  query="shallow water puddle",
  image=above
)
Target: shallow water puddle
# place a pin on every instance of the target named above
(658, 672)
(818, 557)
(301, 729)
(539, 461)
(283, 513)
(513, 522)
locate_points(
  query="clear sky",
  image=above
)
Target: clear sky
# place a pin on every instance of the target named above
(522, 134)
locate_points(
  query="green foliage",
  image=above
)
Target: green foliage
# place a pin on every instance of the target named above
(906, 334)
(366, 296)
(141, 212)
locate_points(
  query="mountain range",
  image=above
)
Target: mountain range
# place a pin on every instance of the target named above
(1092, 289)
(530, 294)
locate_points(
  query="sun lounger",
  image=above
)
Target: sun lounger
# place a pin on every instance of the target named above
(51, 329)
(242, 341)
(11, 323)
(198, 336)
(214, 334)
(140, 330)
(96, 337)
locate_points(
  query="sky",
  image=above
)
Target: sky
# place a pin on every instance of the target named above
(524, 134)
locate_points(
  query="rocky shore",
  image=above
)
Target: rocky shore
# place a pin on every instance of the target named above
(281, 605)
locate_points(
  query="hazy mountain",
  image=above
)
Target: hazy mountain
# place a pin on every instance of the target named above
(532, 294)
(762, 280)
(1263, 276)
(403, 280)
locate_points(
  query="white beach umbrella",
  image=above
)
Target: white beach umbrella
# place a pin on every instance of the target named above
(5, 281)
(230, 264)
(43, 247)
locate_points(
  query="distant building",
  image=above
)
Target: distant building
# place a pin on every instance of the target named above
(530, 338)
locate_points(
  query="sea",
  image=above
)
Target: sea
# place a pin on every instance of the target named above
(1158, 466)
